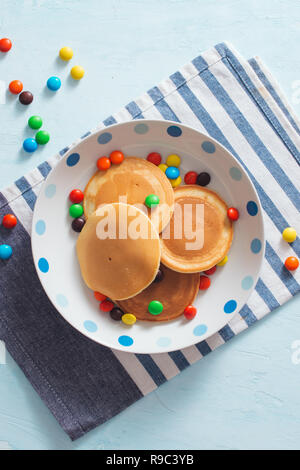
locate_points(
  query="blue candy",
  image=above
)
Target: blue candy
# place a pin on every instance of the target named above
(54, 83)
(30, 145)
(172, 172)
(5, 251)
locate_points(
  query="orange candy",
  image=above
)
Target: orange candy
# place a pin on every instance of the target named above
(204, 282)
(99, 296)
(291, 263)
(15, 87)
(9, 221)
(190, 312)
(116, 157)
(103, 163)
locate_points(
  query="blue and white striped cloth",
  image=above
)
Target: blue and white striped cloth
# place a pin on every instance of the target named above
(238, 103)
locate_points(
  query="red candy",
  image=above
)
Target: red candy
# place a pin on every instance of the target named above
(154, 158)
(233, 213)
(15, 87)
(191, 177)
(204, 282)
(99, 296)
(76, 196)
(211, 271)
(106, 305)
(190, 312)
(291, 263)
(116, 157)
(103, 163)
(5, 44)
(9, 221)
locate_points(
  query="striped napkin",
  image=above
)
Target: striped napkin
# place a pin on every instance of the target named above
(238, 103)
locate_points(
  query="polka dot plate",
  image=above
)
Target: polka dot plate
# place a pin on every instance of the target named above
(53, 240)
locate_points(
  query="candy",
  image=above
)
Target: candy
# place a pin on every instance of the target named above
(289, 234)
(176, 182)
(116, 157)
(42, 137)
(5, 251)
(223, 262)
(9, 221)
(77, 72)
(291, 263)
(203, 179)
(76, 196)
(30, 145)
(191, 177)
(98, 296)
(128, 319)
(233, 213)
(155, 307)
(26, 97)
(172, 172)
(152, 200)
(78, 224)
(116, 314)
(173, 160)
(76, 210)
(155, 158)
(211, 271)
(163, 167)
(15, 87)
(204, 283)
(159, 276)
(5, 44)
(35, 122)
(53, 83)
(106, 305)
(103, 163)
(66, 53)
(190, 312)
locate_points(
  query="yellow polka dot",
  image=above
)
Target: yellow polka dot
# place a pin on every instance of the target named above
(77, 72)
(176, 182)
(128, 318)
(289, 234)
(66, 53)
(173, 160)
(163, 167)
(223, 262)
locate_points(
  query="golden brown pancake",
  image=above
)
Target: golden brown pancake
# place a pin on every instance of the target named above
(123, 266)
(214, 231)
(175, 292)
(134, 178)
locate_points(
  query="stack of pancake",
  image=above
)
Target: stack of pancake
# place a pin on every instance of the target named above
(189, 232)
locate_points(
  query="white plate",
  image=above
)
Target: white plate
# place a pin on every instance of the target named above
(53, 240)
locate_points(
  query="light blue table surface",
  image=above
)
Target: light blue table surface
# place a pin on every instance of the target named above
(246, 393)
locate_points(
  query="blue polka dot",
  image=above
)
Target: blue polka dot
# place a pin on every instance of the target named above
(40, 227)
(208, 147)
(104, 138)
(200, 330)
(163, 342)
(50, 191)
(73, 159)
(62, 300)
(174, 131)
(230, 306)
(247, 282)
(43, 265)
(252, 208)
(141, 128)
(125, 340)
(235, 173)
(90, 326)
(255, 245)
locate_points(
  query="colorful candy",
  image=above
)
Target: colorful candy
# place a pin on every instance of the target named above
(77, 72)
(128, 318)
(76, 196)
(116, 314)
(54, 83)
(35, 122)
(116, 157)
(291, 263)
(233, 213)
(15, 87)
(289, 234)
(66, 53)
(191, 177)
(152, 200)
(103, 163)
(106, 305)
(78, 224)
(211, 271)
(223, 261)
(30, 145)
(172, 172)
(98, 296)
(163, 167)
(5, 252)
(173, 160)
(190, 312)
(155, 307)
(26, 97)
(203, 179)
(159, 276)
(155, 158)
(204, 283)
(5, 44)
(75, 211)
(42, 137)
(176, 182)
(9, 221)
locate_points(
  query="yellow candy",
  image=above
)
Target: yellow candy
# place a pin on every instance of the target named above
(224, 261)
(173, 160)
(163, 167)
(289, 234)
(77, 72)
(66, 53)
(176, 182)
(128, 318)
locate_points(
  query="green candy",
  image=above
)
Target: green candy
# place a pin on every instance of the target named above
(76, 210)
(35, 122)
(155, 307)
(152, 200)
(42, 137)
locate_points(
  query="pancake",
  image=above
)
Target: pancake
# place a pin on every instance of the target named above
(122, 266)
(134, 178)
(186, 252)
(175, 292)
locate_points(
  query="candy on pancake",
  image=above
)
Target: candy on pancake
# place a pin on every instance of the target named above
(134, 178)
(206, 216)
(118, 251)
(175, 291)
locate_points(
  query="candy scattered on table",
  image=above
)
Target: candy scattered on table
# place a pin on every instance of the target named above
(116, 314)
(77, 72)
(172, 172)
(5, 252)
(223, 262)
(159, 276)
(291, 263)
(173, 160)
(163, 167)
(42, 137)
(233, 213)
(190, 312)
(76, 196)
(26, 97)
(66, 53)
(78, 224)
(106, 305)
(204, 283)
(211, 271)
(103, 163)
(15, 87)
(53, 83)
(203, 179)
(116, 157)
(155, 307)
(152, 200)
(191, 177)
(289, 234)
(176, 182)
(35, 122)
(30, 145)
(9, 221)
(98, 296)
(128, 319)
(76, 211)
(155, 158)
(5, 44)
